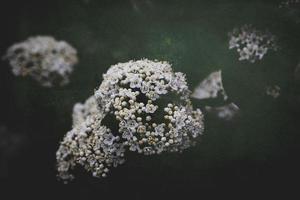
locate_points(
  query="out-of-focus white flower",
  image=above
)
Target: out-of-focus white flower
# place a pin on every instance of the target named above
(210, 87)
(250, 43)
(46, 60)
(273, 91)
(130, 92)
(226, 112)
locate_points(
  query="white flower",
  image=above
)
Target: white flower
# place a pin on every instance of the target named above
(159, 130)
(233, 42)
(135, 81)
(46, 60)
(147, 150)
(251, 44)
(108, 139)
(145, 87)
(132, 124)
(161, 89)
(160, 147)
(150, 108)
(127, 134)
(130, 93)
(273, 91)
(134, 147)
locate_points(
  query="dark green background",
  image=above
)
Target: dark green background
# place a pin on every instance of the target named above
(257, 152)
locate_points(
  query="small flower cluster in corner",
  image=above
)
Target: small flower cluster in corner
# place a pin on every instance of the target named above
(289, 3)
(46, 60)
(135, 95)
(250, 43)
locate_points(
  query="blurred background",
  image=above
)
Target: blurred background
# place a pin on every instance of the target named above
(255, 153)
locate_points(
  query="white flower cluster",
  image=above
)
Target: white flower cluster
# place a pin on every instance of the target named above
(46, 60)
(151, 107)
(251, 44)
(89, 143)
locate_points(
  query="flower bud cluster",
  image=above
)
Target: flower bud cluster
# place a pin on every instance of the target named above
(136, 95)
(89, 144)
(46, 60)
